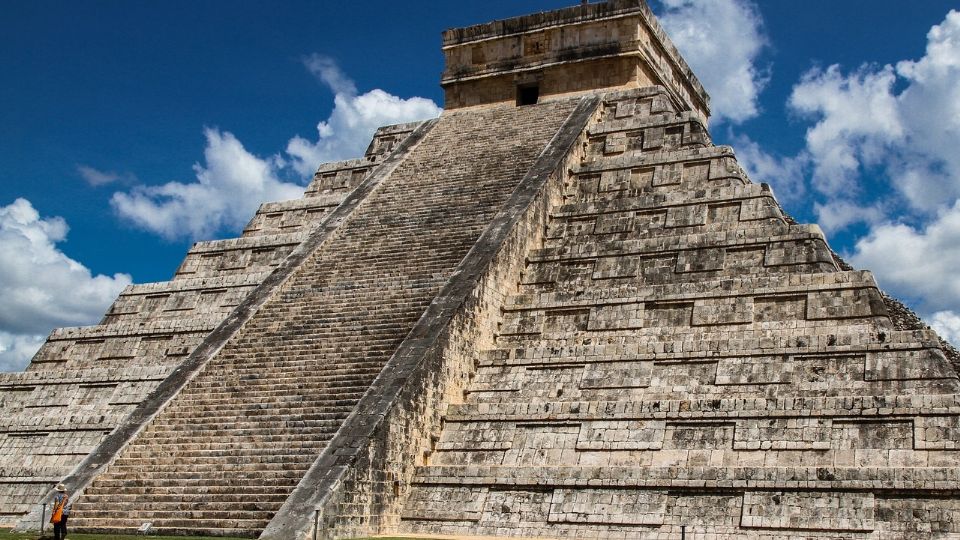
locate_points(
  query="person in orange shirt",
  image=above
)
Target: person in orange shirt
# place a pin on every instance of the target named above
(61, 511)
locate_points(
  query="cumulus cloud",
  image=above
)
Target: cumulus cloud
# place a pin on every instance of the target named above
(355, 117)
(40, 286)
(858, 120)
(947, 324)
(229, 187)
(916, 263)
(888, 134)
(900, 120)
(96, 177)
(232, 182)
(721, 40)
(839, 214)
(784, 173)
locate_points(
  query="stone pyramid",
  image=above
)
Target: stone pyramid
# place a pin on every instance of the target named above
(557, 311)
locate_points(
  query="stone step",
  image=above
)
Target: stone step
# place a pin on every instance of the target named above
(249, 465)
(738, 239)
(162, 439)
(674, 199)
(245, 528)
(220, 451)
(193, 325)
(930, 480)
(780, 343)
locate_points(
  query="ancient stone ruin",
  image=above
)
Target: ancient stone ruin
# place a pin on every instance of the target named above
(556, 311)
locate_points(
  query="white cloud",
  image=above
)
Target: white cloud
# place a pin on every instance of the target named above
(721, 40)
(228, 189)
(947, 324)
(916, 263)
(857, 121)
(17, 350)
(40, 286)
(836, 215)
(863, 122)
(348, 130)
(888, 134)
(96, 177)
(784, 173)
(233, 182)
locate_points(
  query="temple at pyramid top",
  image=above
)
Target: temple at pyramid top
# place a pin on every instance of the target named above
(616, 44)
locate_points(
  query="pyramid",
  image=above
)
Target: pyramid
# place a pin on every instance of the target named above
(557, 311)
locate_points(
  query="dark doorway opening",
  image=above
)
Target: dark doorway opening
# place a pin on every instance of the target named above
(528, 94)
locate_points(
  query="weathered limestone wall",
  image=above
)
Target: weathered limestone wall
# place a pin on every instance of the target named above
(679, 355)
(615, 44)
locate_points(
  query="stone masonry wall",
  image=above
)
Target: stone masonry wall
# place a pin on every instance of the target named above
(680, 356)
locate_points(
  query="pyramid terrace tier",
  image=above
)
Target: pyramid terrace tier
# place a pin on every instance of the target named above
(799, 301)
(254, 254)
(705, 377)
(780, 342)
(260, 411)
(663, 503)
(691, 173)
(751, 215)
(738, 237)
(338, 178)
(662, 135)
(202, 296)
(297, 215)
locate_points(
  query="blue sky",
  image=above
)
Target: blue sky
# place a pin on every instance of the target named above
(849, 109)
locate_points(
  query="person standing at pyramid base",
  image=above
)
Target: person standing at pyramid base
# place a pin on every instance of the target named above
(61, 511)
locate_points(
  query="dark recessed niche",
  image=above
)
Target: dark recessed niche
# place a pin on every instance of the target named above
(528, 94)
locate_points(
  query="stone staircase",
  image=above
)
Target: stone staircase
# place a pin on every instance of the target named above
(84, 382)
(223, 455)
(679, 357)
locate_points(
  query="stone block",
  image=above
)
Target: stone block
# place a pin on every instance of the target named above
(810, 511)
(609, 507)
(936, 432)
(701, 260)
(717, 311)
(754, 370)
(686, 216)
(616, 267)
(446, 503)
(922, 364)
(616, 375)
(783, 434)
(616, 317)
(614, 435)
(844, 304)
